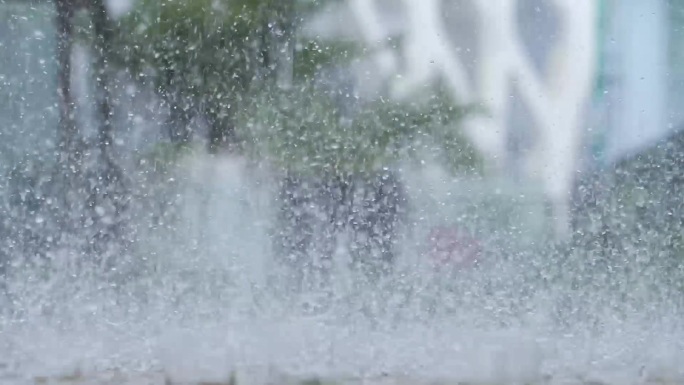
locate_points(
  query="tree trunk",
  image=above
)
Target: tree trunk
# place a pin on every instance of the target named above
(103, 37)
(179, 107)
(276, 62)
(283, 35)
(102, 27)
(70, 153)
(108, 198)
(221, 128)
(68, 174)
(277, 35)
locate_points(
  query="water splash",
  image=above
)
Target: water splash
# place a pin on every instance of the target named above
(210, 302)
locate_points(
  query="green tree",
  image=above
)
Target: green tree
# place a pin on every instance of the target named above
(202, 56)
(302, 129)
(74, 201)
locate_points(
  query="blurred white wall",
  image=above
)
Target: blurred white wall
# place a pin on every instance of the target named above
(640, 66)
(534, 65)
(119, 7)
(534, 82)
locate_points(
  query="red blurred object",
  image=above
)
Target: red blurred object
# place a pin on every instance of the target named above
(454, 247)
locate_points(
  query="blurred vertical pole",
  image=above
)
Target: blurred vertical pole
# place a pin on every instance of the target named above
(283, 25)
(69, 154)
(103, 37)
(107, 195)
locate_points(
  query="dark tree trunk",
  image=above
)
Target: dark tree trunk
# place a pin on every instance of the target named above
(102, 26)
(277, 42)
(103, 38)
(275, 60)
(179, 107)
(108, 198)
(283, 37)
(179, 119)
(68, 176)
(221, 128)
(70, 151)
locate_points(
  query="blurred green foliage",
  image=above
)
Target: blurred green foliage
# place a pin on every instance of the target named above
(209, 50)
(199, 55)
(162, 157)
(212, 57)
(313, 56)
(303, 129)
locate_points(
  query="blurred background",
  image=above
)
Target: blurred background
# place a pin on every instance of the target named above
(174, 147)
(557, 121)
(568, 95)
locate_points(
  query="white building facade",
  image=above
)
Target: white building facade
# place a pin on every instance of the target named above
(567, 84)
